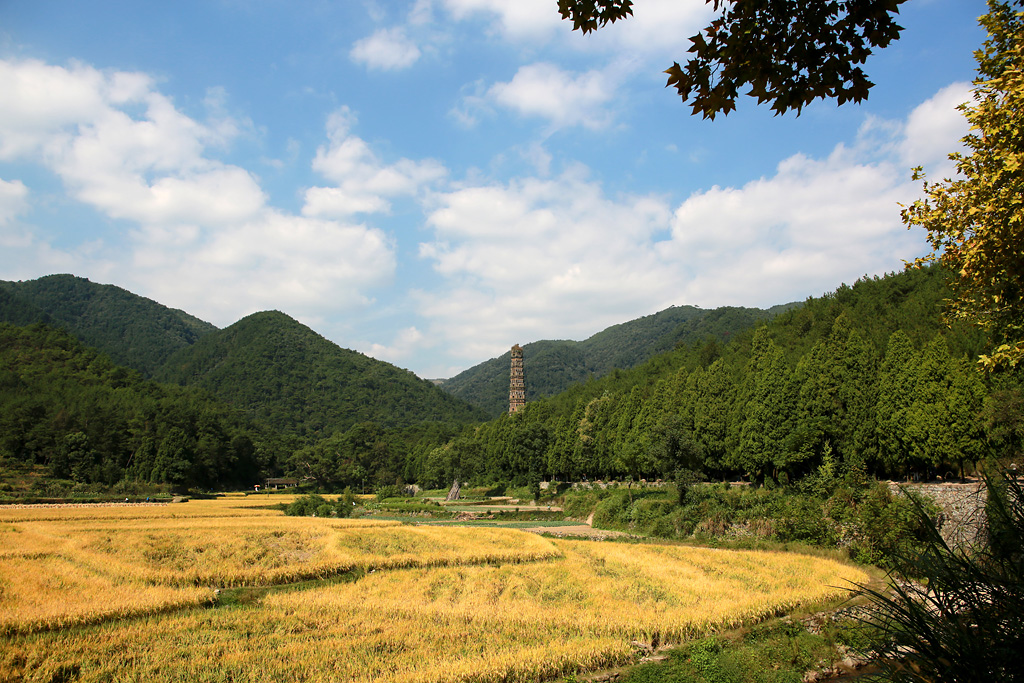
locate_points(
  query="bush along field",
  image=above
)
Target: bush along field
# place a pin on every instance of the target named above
(776, 651)
(867, 521)
(863, 520)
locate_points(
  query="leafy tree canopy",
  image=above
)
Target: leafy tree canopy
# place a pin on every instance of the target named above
(71, 410)
(789, 52)
(975, 223)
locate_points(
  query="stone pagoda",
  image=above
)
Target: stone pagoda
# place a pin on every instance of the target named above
(517, 385)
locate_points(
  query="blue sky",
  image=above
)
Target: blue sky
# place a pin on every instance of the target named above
(432, 181)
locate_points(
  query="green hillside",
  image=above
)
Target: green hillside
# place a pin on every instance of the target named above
(287, 376)
(68, 409)
(554, 366)
(866, 379)
(134, 331)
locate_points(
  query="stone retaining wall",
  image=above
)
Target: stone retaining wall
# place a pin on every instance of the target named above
(962, 520)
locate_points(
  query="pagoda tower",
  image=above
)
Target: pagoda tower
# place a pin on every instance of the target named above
(517, 385)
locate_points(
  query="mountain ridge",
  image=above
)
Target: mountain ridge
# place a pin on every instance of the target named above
(154, 339)
(133, 330)
(284, 373)
(552, 366)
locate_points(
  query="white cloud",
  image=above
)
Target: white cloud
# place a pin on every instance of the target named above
(557, 258)
(523, 260)
(934, 128)
(519, 20)
(149, 168)
(387, 49)
(406, 342)
(14, 238)
(470, 104)
(41, 101)
(926, 138)
(517, 260)
(336, 202)
(222, 125)
(421, 13)
(299, 265)
(658, 29)
(552, 93)
(812, 224)
(364, 184)
(201, 236)
(218, 196)
(538, 157)
(638, 47)
(13, 200)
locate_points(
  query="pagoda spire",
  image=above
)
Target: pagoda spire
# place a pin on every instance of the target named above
(517, 384)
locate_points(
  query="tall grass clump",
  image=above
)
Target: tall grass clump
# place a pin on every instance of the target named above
(963, 621)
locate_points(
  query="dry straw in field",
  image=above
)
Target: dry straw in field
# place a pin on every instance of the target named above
(112, 563)
(576, 607)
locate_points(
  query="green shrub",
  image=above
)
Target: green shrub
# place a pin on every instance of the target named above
(413, 507)
(497, 490)
(646, 513)
(887, 527)
(716, 524)
(801, 518)
(343, 508)
(613, 511)
(347, 501)
(684, 480)
(579, 504)
(388, 491)
(306, 506)
(856, 635)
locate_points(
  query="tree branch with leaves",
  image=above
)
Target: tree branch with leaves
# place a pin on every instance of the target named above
(789, 52)
(975, 222)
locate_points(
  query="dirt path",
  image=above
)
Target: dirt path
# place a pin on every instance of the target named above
(577, 531)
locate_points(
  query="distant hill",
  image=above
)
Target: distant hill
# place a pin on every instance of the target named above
(287, 376)
(553, 366)
(134, 331)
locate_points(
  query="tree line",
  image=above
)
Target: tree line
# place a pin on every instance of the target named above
(867, 378)
(70, 409)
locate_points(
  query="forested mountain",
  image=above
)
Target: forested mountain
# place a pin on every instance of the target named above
(864, 380)
(287, 376)
(554, 366)
(867, 379)
(70, 408)
(134, 331)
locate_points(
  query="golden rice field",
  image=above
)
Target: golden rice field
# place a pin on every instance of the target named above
(123, 594)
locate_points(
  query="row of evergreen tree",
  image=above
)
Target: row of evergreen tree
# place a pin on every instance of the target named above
(866, 378)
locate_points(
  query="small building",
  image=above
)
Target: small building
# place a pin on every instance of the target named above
(281, 483)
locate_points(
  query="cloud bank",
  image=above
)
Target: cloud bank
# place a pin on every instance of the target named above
(559, 258)
(514, 259)
(200, 233)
